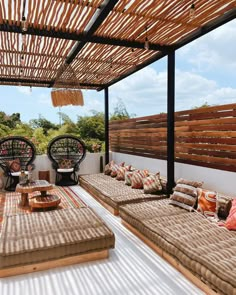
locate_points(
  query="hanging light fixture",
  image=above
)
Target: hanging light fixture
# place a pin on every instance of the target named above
(23, 24)
(146, 43)
(192, 11)
(22, 61)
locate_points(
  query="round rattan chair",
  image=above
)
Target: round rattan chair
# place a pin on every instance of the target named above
(66, 152)
(16, 153)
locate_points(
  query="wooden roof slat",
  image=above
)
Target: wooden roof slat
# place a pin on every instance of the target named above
(55, 26)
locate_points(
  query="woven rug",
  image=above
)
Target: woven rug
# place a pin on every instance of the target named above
(9, 201)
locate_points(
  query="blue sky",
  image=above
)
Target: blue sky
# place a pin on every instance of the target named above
(205, 72)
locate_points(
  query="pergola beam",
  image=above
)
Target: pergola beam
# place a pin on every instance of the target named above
(65, 35)
(43, 82)
(93, 25)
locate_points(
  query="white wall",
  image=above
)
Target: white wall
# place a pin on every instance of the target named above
(214, 179)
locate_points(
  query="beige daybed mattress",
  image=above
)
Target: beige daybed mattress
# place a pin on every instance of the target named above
(44, 236)
(203, 247)
(113, 192)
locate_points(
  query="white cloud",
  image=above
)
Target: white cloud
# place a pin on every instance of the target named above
(214, 51)
(145, 93)
(24, 90)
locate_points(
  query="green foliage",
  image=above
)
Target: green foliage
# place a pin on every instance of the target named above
(41, 122)
(40, 131)
(204, 105)
(91, 127)
(10, 121)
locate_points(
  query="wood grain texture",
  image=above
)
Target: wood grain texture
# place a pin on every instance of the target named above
(204, 137)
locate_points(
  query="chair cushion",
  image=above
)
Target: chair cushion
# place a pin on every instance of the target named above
(66, 170)
(66, 163)
(14, 165)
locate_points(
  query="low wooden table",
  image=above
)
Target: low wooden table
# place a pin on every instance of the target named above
(38, 185)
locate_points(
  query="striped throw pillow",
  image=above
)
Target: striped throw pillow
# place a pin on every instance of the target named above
(137, 178)
(121, 172)
(115, 168)
(128, 175)
(152, 184)
(185, 194)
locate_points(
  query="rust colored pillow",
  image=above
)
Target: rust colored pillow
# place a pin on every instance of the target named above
(206, 202)
(66, 164)
(14, 165)
(231, 219)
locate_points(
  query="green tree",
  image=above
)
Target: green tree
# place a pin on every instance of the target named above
(91, 126)
(41, 122)
(204, 105)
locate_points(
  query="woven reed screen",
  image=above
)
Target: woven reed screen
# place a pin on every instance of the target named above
(203, 137)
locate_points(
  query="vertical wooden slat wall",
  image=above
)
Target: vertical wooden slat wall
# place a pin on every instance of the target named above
(203, 137)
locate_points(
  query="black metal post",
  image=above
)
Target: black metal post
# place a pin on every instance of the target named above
(106, 117)
(171, 123)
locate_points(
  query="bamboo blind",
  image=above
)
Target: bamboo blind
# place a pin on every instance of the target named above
(164, 22)
(204, 137)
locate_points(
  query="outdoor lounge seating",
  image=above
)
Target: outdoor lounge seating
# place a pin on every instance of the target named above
(16, 154)
(113, 193)
(71, 236)
(66, 152)
(188, 240)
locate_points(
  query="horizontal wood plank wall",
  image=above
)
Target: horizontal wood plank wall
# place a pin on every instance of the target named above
(203, 137)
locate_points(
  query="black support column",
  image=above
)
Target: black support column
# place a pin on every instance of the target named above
(106, 106)
(171, 123)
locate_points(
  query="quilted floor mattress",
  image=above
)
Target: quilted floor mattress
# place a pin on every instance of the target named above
(113, 192)
(207, 250)
(45, 236)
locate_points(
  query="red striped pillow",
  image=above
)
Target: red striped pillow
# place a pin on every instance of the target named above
(121, 172)
(152, 184)
(137, 178)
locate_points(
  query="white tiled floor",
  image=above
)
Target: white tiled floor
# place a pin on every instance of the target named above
(132, 269)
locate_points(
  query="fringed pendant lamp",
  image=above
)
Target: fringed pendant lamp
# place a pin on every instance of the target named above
(64, 97)
(66, 89)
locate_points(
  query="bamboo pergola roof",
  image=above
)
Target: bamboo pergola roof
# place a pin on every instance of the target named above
(102, 41)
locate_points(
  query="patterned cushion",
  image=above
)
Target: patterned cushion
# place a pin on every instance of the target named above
(137, 178)
(206, 202)
(128, 175)
(66, 163)
(231, 219)
(107, 170)
(185, 194)
(152, 184)
(163, 184)
(223, 206)
(115, 168)
(14, 165)
(121, 172)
